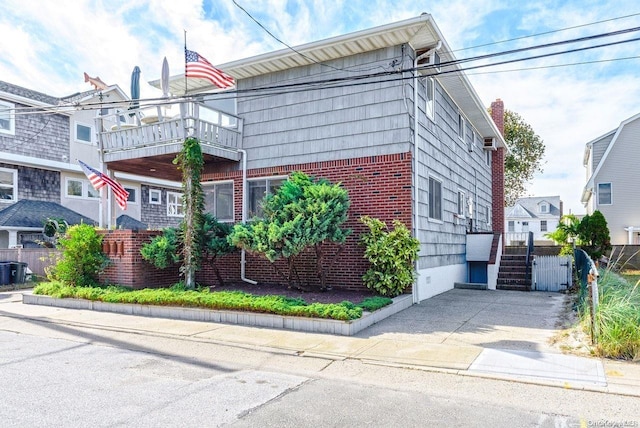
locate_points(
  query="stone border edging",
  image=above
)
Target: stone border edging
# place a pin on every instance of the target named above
(314, 325)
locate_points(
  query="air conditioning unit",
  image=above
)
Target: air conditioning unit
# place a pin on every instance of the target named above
(489, 143)
(434, 60)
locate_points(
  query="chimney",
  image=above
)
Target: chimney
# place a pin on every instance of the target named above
(497, 172)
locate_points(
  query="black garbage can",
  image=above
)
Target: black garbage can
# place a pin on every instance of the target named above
(5, 273)
(18, 271)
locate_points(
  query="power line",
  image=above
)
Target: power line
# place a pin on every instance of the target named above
(546, 32)
(553, 66)
(334, 82)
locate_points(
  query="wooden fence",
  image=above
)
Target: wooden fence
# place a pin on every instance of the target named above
(37, 259)
(552, 273)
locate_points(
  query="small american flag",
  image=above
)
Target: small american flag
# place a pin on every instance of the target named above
(99, 180)
(198, 66)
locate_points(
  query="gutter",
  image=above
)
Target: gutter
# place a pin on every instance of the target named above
(243, 260)
(414, 165)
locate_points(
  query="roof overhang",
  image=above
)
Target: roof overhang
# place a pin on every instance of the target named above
(420, 33)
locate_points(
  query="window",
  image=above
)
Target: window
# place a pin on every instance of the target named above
(174, 205)
(525, 226)
(132, 194)
(74, 188)
(258, 189)
(155, 197)
(511, 226)
(487, 155)
(461, 200)
(431, 103)
(8, 185)
(604, 194)
(7, 118)
(77, 188)
(543, 225)
(83, 133)
(218, 200)
(461, 126)
(435, 199)
(544, 208)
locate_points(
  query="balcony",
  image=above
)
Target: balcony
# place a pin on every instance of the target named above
(145, 141)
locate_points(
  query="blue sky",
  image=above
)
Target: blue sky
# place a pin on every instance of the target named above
(47, 46)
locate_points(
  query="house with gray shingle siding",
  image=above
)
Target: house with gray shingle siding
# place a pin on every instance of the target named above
(611, 162)
(536, 214)
(386, 112)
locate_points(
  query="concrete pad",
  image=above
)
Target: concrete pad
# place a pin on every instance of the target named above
(239, 334)
(623, 377)
(422, 354)
(501, 318)
(566, 369)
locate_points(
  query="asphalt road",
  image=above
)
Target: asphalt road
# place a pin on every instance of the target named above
(62, 375)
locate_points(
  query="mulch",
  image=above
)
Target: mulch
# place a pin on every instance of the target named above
(335, 295)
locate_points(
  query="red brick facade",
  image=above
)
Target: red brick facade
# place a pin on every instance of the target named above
(378, 186)
(497, 171)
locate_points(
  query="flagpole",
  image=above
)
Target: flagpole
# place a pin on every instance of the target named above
(185, 62)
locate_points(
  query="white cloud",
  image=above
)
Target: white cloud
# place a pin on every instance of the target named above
(48, 45)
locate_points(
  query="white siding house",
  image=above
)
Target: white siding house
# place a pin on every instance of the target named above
(539, 215)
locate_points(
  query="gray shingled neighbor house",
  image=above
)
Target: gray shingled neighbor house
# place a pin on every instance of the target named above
(41, 139)
(387, 112)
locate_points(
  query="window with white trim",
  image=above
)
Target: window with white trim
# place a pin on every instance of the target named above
(543, 225)
(604, 194)
(175, 207)
(258, 190)
(435, 199)
(218, 200)
(155, 196)
(132, 194)
(511, 226)
(461, 126)
(7, 118)
(83, 132)
(8, 185)
(544, 208)
(78, 188)
(430, 98)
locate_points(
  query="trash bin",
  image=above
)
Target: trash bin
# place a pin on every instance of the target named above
(5, 273)
(18, 270)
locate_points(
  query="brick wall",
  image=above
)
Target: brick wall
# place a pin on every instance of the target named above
(378, 186)
(127, 267)
(497, 171)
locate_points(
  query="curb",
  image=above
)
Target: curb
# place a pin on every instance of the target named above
(312, 325)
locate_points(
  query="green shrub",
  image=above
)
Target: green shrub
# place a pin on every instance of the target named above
(224, 300)
(82, 258)
(163, 250)
(391, 255)
(617, 317)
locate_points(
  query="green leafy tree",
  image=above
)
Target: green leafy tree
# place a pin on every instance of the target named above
(82, 257)
(594, 235)
(303, 213)
(391, 254)
(165, 250)
(566, 234)
(215, 243)
(191, 162)
(526, 151)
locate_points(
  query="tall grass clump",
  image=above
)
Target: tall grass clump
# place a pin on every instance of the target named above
(617, 317)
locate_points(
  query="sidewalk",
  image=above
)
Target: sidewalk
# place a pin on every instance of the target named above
(495, 334)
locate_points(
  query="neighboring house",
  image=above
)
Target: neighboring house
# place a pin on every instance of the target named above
(612, 163)
(413, 146)
(41, 139)
(539, 215)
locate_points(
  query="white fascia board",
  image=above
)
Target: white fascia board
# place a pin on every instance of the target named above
(12, 158)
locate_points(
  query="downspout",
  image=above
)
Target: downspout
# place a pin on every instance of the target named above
(243, 260)
(414, 165)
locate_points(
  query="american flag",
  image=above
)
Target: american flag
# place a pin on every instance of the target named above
(198, 66)
(99, 180)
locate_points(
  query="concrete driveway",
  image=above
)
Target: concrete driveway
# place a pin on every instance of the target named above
(511, 320)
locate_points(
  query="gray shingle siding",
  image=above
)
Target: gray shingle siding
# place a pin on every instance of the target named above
(155, 215)
(329, 123)
(37, 184)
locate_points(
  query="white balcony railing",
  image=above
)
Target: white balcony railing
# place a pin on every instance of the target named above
(135, 130)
